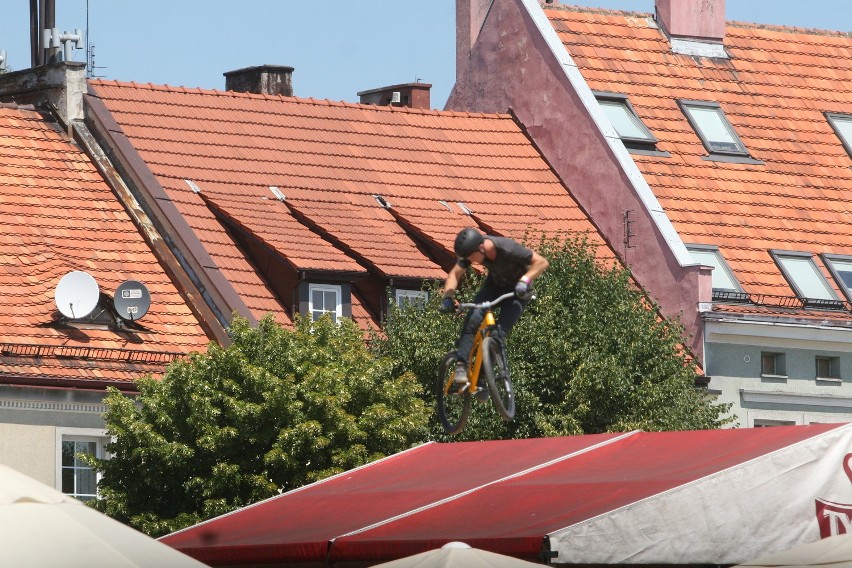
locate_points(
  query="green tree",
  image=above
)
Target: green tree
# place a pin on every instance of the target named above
(589, 355)
(275, 410)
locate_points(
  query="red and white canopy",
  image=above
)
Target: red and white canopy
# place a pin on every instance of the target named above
(700, 497)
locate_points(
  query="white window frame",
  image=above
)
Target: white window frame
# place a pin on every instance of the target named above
(96, 435)
(333, 288)
(416, 297)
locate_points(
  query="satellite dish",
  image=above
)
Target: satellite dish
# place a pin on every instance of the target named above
(77, 294)
(132, 300)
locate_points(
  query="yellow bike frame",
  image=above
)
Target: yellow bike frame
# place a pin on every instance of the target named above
(476, 351)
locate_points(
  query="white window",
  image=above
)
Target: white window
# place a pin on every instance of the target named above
(76, 478)
(716, 133)
(804, 276)
(723, 278)
(410, 297)
(325, 299)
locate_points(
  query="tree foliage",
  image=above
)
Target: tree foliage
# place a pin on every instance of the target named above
(275, 410)
(589, 355)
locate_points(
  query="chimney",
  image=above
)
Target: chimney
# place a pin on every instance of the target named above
(261, 80)
(414, 95)
(692, 20)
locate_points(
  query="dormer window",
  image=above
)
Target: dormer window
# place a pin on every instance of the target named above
(405, 297)
(627, 124)
(725, 286)
(316, 300)
(842, 125)
(717, 134)
(805, 278)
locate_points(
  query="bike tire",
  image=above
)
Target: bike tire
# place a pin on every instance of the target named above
(453, 407)
(496, 369)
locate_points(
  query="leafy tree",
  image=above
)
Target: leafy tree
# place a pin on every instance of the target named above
(275, 410)
(589, 355)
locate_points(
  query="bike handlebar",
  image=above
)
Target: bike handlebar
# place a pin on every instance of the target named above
(487, 305)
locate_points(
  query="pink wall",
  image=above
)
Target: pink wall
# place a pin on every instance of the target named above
(511, 67)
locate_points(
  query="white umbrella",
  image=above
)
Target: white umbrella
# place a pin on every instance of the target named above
(41, 527)
(457, 554)
(831, 552)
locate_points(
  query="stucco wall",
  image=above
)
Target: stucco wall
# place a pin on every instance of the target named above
(30, 450)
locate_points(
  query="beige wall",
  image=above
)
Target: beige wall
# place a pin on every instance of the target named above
(30, 450)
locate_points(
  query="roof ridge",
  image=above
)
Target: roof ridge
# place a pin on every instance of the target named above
(295, 99)
(794, 29)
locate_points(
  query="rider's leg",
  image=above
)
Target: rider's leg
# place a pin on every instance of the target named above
(473, 319)
(510, 313)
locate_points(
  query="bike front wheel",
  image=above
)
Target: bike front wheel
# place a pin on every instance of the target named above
(453, 400)
(496, 368)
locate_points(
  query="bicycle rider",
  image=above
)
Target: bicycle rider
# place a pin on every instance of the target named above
(511, 267)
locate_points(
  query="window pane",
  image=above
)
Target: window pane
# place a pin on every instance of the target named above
(844, 271)
(714, 128)
(68, 481)
(68, 454)
(844, 126)
(807, 278)
(722, 280)
(624, 122)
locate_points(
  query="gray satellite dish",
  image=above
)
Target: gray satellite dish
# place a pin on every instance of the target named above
(77, 294)
(132, 300)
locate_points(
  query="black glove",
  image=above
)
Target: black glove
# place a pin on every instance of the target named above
(524, 289)
(448, 305)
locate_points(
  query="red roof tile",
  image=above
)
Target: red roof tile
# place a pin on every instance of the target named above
(339, 167)
(774, 90)
(59, 215)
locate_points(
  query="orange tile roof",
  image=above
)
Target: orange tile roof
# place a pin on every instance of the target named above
(59, 215)
(774, 90)
(339, 166)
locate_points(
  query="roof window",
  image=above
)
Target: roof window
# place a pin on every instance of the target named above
(627, 124)
(841, 268)
(804, 277)
(723, 278)
(718, 136)
(842, 125)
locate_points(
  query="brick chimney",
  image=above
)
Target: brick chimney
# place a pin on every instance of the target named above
(414, 95)
(261, 80)
(695, 20)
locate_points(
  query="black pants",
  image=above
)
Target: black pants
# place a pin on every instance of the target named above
(510, 313)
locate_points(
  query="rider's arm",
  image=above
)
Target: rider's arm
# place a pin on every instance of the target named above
(454, 276)
(538, 265)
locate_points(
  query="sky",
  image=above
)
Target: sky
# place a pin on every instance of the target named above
(337, 47)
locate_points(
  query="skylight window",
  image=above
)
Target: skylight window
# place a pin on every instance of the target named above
(626, 122)
(802, 273)
(842, 125)
(841, 268)
(723, 278)
(716, 133)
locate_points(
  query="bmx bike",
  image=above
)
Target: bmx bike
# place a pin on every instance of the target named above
(488, 355)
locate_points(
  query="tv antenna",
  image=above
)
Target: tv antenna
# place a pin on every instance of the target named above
(131, 300)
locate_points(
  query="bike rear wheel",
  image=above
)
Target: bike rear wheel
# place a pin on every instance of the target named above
(453, 406)
(496, 368)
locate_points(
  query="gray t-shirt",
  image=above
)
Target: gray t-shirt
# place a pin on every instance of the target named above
(510, 263)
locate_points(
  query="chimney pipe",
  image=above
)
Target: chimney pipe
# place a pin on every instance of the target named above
(698, 20)
(261, 80)
(413, 95)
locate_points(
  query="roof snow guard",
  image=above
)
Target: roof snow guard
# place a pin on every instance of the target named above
(704, 497)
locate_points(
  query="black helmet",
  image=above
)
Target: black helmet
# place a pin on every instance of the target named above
(467, 242)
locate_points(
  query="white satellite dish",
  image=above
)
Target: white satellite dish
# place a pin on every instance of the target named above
(77, 294)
